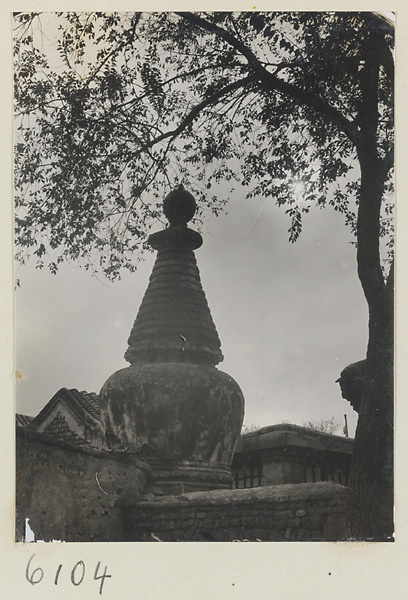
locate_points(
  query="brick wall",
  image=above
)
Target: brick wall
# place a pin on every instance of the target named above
(69, 493)
(295, 512)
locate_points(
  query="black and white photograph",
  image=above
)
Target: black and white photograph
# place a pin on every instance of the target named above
(204, 277)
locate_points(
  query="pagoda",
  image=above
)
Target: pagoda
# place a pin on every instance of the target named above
(172, 408)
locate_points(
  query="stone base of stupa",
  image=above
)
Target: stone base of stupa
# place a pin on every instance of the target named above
(181, 477)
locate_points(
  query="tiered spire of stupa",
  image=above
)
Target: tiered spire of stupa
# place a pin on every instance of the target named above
(174, 322)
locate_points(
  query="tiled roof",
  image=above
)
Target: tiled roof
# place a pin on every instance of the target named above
(83, 404)
(89, 401)
(23, 420)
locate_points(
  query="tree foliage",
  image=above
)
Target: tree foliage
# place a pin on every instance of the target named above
(121, 107)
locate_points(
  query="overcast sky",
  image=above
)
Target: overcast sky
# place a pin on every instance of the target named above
(290, 317)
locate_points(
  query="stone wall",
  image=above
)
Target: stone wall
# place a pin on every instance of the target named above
(296, 512)
(79, 494)
(69, 493)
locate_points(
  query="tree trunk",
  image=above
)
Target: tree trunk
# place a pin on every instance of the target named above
(370, 499)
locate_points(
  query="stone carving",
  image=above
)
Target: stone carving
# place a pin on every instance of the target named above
(351, 383)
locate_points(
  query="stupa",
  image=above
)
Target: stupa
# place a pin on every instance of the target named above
(172, 407)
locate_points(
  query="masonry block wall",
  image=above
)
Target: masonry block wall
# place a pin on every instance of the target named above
(295, 512)
(69, 493)
(78, 494)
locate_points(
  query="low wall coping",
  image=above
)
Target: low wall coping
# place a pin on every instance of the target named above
(42, 438)
(274, 493)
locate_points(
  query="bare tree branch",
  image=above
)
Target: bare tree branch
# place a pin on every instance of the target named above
(196, 110)
(270, 81)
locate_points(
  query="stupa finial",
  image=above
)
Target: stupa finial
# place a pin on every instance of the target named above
(179, 206)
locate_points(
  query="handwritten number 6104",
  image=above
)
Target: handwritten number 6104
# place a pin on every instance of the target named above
(77, 574)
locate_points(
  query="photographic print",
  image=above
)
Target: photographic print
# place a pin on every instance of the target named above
(204, 302)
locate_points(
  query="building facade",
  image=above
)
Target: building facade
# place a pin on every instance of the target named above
(285, 454)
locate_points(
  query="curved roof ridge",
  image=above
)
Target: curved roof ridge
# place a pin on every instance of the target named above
(89, 401)
(85, 403)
